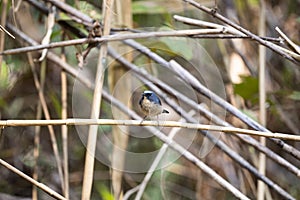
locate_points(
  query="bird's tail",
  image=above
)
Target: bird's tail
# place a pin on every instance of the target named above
(165, 111)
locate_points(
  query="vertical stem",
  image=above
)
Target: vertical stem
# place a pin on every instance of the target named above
(121, 89)
(64, 129)
(47, 116)
(262, 98)
(36, 151)
(92, 136)
(2, 35)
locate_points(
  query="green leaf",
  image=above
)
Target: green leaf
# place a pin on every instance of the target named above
(4, 75)
(89, 9)
(250, 114)
(177, 45)
(56, 103)
(248, 89)
(143, 7)
(295, 95)
(104, 191)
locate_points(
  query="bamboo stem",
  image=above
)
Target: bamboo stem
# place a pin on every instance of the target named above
(261, 189)
(92, 136)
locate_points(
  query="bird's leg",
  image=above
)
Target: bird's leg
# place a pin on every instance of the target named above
(143, 119)
(157, 120)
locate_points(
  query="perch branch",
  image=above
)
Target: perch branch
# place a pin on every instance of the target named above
(81, 122)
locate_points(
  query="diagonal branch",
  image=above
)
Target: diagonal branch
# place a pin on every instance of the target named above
(186, 76)
(146, 76)
(220, 17)
(34, 182)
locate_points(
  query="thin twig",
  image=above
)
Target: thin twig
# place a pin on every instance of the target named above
(228, 30)
(205, 24)
(2, 36)
(50, 25)
(290, 42)
(50, 128)
(2, 28)
(116, 37)
(220, 17)
(36, 150)
(131, 192)
(31, 180)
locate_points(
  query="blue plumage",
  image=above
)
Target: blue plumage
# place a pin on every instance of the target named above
(151, 96)
(151, 104)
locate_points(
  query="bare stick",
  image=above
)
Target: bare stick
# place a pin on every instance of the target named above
(261, 188)
(117, 37)
(31, 180)
(82, 122)
(8, 33)
(64, 129)
(50, 25)
(205, 24)
(2, 36)
(48, 117)
(290, 42)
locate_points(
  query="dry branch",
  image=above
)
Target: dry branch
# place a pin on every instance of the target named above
(214, 13)
(290, 42)
(116, 37)
(82, 122)
(34, 182)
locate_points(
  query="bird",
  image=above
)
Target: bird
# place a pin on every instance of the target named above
(151, 105)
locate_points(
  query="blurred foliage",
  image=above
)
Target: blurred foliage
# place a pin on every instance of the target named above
(248, 89)
(104, 191)
(295, 95)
